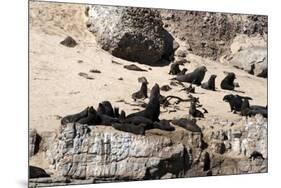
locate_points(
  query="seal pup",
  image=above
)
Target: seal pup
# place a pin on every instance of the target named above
(193, 111)
(228, 82)
(174, 69)
(194, 77)
(210, 85)
(142, 93)
(152, 110)
(74, 117)
(235, 102)
(163, 125)
(182, 72)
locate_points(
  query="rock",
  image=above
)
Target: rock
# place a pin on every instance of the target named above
(180, 53)
(134, 34)
(69, 42)
(83, 152)
(34, 142)
(250, 54)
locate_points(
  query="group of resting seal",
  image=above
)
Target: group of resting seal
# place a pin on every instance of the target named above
(237, 103)
(135, 123)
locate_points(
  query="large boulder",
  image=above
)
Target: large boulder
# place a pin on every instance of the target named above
(250, 54)
(134, 34)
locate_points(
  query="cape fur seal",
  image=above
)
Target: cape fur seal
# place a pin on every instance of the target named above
(247, 110)
(235, 102)
(36, 172)
(210, 85)
(187, 124)
(193, 111)
(74, 117)
(174, 69)
(228, 82)
(152, 109)
(194, 77)
(142, 93)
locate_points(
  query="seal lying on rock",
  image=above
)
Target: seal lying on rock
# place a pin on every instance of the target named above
(75, 117)
(182, 72)
(256, 155)
(228, 82)
(131, 128)
(235, 102)
(187, 124)
(210, 85)
(194, 77)
(105, 108)
(36, 172)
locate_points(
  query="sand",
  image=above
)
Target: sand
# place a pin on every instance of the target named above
(56, 89)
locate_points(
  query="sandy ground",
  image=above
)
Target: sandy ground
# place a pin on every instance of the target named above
(56, 89)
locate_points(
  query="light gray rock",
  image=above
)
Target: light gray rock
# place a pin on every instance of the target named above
(134, 34)
(103, 152)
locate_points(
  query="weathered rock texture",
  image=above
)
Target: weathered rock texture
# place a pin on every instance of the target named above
(249, 54)
(99, 153)
(210, 34)
(134, 34)
(83, 152)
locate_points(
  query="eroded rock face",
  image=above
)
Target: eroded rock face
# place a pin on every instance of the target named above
(83, 152)
(250, 54)
(134, 34)
(102, 154)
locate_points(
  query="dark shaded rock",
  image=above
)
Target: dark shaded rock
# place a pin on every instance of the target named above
(69, 42)
(135, 34)
(36, 172)
(134, 68)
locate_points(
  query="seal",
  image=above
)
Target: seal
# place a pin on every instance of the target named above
(210, 85)
(228, 82)
(182, 72)
(74, 117)
(247, 110)
(36, 172)
(142, 93)
(235, 102)
(152, 109)
(193, 111)
(105, 108)
(131, 128)
(92, 117)
(187, 124)
(194, 77)
(174, 69)
(256, 155)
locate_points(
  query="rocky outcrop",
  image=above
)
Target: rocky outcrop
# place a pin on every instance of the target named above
(249, 54)
(103, 153)
(134, 34)
(210, 34)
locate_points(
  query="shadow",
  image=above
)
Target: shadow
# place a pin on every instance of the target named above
(135, 48)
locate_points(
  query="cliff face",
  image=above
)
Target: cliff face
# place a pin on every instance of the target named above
(100, 153)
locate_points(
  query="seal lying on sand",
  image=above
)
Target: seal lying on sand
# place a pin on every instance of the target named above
(247, 110)
(194, 77)
(228, 82)
(235, 102)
